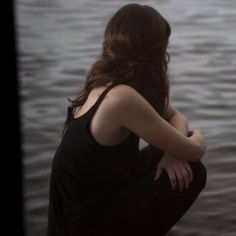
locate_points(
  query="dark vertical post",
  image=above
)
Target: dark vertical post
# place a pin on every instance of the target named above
(11, 148)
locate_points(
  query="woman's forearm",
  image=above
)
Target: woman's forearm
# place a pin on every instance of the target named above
(180, 122)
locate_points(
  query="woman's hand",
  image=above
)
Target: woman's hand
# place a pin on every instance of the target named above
(178, 171)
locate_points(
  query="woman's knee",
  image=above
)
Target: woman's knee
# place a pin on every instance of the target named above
(199, 175)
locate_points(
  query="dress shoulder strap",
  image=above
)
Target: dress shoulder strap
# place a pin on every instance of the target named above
(103, 94)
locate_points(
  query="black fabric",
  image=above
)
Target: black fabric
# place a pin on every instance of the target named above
(109, 190)
(147, 207)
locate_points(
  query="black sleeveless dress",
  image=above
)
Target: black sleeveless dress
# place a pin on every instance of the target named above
(86, 176)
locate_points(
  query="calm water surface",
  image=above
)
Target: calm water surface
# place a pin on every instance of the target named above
(58, 41)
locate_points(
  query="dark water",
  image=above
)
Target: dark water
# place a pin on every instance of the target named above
(59, 39)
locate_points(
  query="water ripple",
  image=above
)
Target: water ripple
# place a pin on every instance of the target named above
(59, 40)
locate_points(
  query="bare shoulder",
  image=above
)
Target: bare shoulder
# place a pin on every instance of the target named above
(125, 103)
(120, 99)
(125, 95)
(123, 89)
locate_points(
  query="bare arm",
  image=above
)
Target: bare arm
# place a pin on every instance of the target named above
(180, 122)
(176, 119)
(136, 114)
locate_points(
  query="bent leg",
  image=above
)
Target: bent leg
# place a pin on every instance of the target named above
(148, 207)
(179, 202)
(145, 163)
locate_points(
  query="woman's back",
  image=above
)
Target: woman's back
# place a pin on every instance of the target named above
(104, 125)
(86, 175)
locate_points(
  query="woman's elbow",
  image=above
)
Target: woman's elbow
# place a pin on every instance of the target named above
(199, 152)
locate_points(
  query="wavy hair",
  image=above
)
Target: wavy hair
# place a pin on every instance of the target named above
(134, 52)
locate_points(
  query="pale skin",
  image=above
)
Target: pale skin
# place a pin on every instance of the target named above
(123, 110)
(178, 170)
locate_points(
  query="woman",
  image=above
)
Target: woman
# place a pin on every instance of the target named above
(101, 183)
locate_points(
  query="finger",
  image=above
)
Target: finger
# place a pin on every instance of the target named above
(190, 171)
(185, 175)
(172, 177)
(158, 173)
(180, 177)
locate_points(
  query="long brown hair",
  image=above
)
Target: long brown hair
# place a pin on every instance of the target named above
(134, 52)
